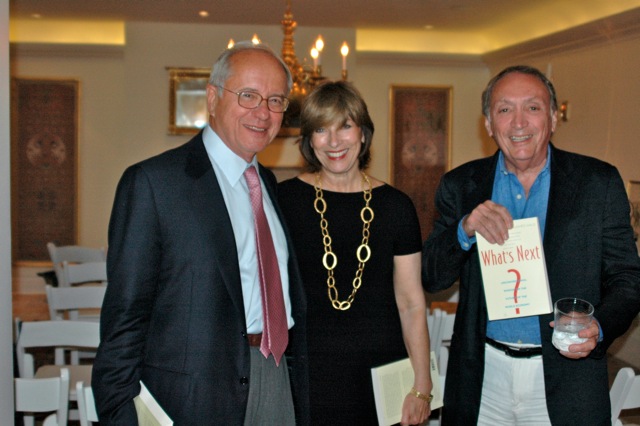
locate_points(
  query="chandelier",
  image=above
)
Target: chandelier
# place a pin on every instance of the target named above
(305, 77)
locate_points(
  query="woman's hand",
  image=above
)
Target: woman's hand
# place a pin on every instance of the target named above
(415, 411)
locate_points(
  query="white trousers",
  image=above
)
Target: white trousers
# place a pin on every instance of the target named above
(512, 391)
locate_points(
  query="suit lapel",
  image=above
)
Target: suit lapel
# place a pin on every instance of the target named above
(480, 188)
(562, 197)
(208, 202)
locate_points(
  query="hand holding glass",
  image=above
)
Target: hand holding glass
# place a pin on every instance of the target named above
(570, 315)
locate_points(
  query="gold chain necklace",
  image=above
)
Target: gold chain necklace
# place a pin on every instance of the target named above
(329, 259)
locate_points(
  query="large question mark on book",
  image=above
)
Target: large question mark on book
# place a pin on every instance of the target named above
(515, 290)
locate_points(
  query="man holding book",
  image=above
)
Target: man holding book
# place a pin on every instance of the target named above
(506, 371)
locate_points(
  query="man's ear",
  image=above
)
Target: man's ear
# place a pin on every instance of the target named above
(212, 98)
(487, 125)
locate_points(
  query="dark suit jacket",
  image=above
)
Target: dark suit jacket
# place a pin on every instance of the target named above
(590, 254)
(173, 315)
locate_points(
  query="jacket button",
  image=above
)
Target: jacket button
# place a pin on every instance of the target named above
(244, 381)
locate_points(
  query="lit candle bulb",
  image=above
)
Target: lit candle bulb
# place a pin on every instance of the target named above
(319, 46)
(315, 55)
(255, 39)
(344, 51)
(231, 43)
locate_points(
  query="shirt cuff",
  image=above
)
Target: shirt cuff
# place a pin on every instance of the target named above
(465, 241)
(600, 334)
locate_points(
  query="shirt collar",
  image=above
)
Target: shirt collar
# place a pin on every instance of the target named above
(225, 160)
(502, 167)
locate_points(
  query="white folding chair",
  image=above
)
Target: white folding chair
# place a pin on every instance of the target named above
(73, 254)
(440, 324)
(86, 405)
(434, 319)
(42, 396)
(624, 393)
(67, 303)
(83, 273)
(65, 334)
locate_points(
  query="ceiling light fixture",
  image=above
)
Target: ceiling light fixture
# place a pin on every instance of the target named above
(305, 78)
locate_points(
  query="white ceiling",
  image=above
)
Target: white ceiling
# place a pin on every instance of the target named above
(444, 15)
(456, 26)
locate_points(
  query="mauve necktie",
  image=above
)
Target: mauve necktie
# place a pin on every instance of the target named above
(275, 334)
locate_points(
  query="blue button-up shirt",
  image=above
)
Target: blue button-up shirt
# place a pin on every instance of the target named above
(508, 192)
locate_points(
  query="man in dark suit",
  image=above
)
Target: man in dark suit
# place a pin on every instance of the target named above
(183, 311)
(508, 372)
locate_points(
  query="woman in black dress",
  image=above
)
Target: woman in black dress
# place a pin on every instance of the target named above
(358, 244)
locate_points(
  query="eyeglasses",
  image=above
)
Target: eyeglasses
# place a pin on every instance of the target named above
(252, 100)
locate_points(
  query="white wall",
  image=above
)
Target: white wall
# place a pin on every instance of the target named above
(6, 335)
(124, 101)
(102, 112)
(603, 89)
(375, 76)
(124, 98)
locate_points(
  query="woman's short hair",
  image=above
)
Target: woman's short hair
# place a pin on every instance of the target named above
(522, 69)
(222, 66)
(330, 103)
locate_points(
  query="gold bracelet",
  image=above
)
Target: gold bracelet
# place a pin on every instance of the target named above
(421, 395)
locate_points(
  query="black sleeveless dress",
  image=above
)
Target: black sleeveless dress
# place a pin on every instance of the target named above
(344, 345)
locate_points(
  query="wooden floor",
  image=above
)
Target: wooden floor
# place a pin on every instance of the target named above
(30, 307)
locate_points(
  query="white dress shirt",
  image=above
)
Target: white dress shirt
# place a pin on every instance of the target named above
(229, 169)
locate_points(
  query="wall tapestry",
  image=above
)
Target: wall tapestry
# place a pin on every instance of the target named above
(44, 132)
(420, 144)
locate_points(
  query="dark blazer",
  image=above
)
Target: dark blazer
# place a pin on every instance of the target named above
(590, 254)
(173, 314)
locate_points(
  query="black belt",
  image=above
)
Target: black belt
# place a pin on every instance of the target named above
(515, 352)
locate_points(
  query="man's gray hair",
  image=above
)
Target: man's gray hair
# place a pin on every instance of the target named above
(221, 68)
(523, 69)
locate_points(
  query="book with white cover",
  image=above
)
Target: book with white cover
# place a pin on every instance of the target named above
(393, 381)
(150, 413)
(515, 274)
